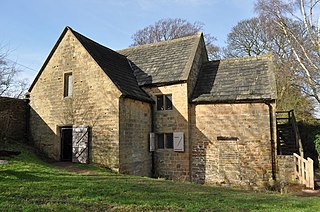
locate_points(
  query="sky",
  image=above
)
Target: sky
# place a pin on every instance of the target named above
(30, 28)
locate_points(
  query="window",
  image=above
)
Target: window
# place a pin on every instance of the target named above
(67, 84)
(160, 141)
(169, 140)
(164, 102)
(165, 140)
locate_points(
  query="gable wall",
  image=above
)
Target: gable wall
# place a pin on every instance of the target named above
(199, 58)
(243, 162)
(168, 163)
(135, 126)
(95, 103)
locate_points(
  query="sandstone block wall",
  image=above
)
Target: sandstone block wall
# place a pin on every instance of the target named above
(168, 163)
(135, 126)
(95, 103)
(231, 144)
(13, 117)
(285, 168)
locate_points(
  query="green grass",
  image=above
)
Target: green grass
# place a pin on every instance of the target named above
(29, 184)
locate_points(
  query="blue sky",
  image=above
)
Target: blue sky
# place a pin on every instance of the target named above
(31, 28)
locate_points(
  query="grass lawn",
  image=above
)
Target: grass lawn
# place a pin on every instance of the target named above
(29, 184)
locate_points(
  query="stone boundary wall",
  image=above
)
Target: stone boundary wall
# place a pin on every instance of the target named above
(13, 119)
(285, 168)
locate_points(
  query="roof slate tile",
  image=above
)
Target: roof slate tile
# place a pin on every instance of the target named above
(238, 79)
(163, 62)
(116, 66)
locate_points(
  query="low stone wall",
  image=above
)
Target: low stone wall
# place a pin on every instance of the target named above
(13, 119)
(285, 168)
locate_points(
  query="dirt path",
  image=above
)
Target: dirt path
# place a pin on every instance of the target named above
(75, 168)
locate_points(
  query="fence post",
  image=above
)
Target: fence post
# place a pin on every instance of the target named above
(310, 173)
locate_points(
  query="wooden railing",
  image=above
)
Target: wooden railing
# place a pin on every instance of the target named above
(289, 117)
(304, 170)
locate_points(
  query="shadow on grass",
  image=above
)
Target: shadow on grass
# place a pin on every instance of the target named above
(21, 175)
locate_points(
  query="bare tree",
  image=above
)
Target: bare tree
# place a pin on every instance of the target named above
(286, 15)
(256, 36)
(9, 84)
(168, 29)
(247, 38)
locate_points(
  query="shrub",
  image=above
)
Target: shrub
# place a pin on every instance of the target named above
(317, 142)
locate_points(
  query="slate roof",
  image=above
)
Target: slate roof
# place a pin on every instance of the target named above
(164, 62)
(237, 79)
(116, 66)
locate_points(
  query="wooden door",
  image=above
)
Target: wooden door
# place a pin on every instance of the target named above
(80, 144)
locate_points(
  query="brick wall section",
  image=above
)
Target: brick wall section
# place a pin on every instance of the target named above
(246, 161)
(13, 118)
(95, 102)
(168, 163)
(135, 126)
(285, 168)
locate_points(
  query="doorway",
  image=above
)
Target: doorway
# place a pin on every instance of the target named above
(66, 143)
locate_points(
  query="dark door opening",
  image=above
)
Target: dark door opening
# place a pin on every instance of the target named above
(66, 143)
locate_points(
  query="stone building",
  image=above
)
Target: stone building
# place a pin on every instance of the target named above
(160, 110)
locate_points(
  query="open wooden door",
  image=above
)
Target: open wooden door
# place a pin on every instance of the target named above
(80, 144)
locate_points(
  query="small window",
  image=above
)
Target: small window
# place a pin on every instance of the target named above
(165, 140)
(160, 102)
(168, 102)
(169, 140)
(68, 85)
(160, 141)
(164, 102)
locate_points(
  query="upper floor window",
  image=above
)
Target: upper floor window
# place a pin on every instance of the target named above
(67, 84)
(164, 102)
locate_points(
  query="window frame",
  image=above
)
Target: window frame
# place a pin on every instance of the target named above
(67, 84)
(164, 141)
(166, 102)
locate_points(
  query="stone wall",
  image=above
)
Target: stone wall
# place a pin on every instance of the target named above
(95, 103)
(135, 126)
(199, 58)
(285, 168)
(168, 163)
(231, 144)
(13, 117)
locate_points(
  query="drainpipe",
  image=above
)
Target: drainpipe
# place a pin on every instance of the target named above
(272, 142)
(152, 130)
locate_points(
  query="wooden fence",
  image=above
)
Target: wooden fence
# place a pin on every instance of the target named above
(304, 170)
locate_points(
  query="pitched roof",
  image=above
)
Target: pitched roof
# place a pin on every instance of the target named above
(164, 62)
(237, 79)
(115, 65)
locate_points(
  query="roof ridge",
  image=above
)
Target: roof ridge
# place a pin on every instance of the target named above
(95, 42)
(267, 55)
(198, 34)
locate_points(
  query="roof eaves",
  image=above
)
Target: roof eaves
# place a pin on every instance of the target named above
(159, 84)
(233, 101)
